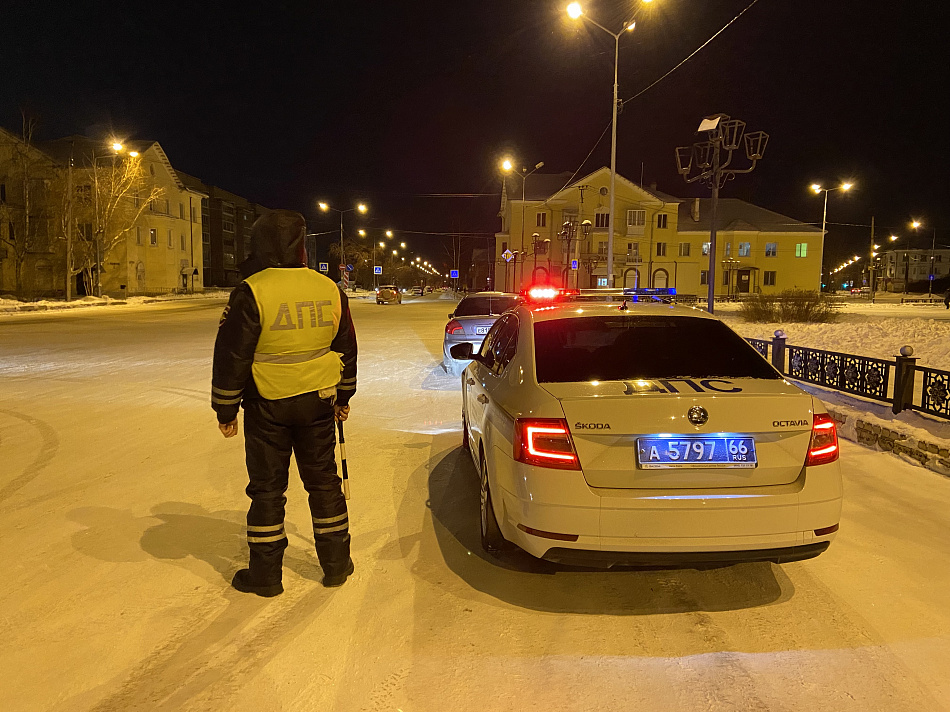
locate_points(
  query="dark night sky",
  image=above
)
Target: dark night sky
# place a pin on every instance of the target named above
(290, 102)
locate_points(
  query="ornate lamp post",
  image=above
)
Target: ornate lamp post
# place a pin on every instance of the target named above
(706, 162)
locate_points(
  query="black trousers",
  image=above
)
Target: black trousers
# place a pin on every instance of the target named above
(303, 425)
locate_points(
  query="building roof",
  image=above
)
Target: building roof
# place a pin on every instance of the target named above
(736, 215)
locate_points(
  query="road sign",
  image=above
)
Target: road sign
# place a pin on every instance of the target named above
(574, 264)
(349, 268)
(377, 270)
(508, 255)
(324, 266)
(343, 268)
(454, 274)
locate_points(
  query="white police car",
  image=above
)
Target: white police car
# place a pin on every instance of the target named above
(643, 433)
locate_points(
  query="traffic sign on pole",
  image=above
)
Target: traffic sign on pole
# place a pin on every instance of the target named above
(324, 266)
(343, 268)
(377, 270)
(574, 264)
(349, 268)
(454, 274)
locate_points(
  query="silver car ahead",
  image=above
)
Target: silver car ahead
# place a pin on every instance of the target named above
(470, 321)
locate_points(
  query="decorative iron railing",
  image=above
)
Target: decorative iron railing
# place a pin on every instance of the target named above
(863, 376)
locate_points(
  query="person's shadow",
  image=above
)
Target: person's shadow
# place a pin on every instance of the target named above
(186, 533)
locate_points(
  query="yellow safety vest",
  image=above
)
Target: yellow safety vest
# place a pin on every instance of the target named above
(300, 314)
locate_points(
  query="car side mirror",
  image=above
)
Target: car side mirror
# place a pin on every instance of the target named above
(462, 352)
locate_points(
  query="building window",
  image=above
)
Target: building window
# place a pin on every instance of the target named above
(706, 248)
(704, 277)
(601, 281)
(768, 279)
(661, 220)
(194, 214)
(182, 243)
(169, 238)
(684, 249)
(151, 206)
(801, 249)
(602, 248)
(636, 218)
(181, 211)
(661, 249)
(138, 236)
(602, 220)
(541, 221)
(167, 207)
(633, 251)
(227, 226)
(725, 278)
(153, 236)
(745, 249)
(3, 192)
(771, 249)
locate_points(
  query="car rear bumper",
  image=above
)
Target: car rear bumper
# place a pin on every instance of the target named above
(608, 559)
(682, 523)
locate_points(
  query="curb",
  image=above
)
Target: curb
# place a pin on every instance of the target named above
(66, 306)
(867, 430)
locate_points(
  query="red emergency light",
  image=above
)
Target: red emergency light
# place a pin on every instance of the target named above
(541, 293)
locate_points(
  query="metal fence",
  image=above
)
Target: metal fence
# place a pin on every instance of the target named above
(895, 382)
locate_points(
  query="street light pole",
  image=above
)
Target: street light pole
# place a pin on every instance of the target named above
(506, 166)
(844, 187)
(575, 11)
(725, 134)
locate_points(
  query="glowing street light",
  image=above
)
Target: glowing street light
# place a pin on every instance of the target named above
(575, 12)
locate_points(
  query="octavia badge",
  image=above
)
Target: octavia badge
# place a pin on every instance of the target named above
(697, 415)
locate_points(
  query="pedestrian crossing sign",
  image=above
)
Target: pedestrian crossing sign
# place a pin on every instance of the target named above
(377, 270)
(324, 266)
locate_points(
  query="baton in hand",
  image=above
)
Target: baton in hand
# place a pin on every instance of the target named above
(346, 478)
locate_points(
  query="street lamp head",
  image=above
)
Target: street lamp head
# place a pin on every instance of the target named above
(731, 133)
(755, 144)
(133, 154)
(361, 233)
(684, 159)
(117, 147)
(815, 187)
(916, 224)
(362, 208)
(540, 164)
(395, 252)
(631, 26)
(893, 237)
(847, 186)
(507, 165)
(402, 245)
(382, 244)
(574, 10)
(389, 233)
(323, 206)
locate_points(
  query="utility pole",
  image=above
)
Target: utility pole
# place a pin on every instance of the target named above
(69, 223)
(871, 262)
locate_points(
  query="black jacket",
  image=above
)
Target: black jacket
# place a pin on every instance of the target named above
(276, 241)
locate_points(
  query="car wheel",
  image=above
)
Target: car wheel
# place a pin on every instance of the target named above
(492, 539)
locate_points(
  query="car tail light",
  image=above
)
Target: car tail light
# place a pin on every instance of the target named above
(824, 441)
(545, 442)
(454, 327)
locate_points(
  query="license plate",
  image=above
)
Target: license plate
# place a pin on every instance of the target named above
(481, 330)
(663, 453)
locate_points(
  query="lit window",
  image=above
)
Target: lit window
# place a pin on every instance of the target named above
(706, 248)
(745, 249)
(801, 249)
(153, 236)
(771, 249)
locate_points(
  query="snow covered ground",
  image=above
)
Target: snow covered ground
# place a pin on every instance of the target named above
(124, 522)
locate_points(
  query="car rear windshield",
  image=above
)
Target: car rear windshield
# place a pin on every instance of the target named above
(609, 348)
(484, 306)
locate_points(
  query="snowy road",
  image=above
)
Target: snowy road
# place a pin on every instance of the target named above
(123, 511)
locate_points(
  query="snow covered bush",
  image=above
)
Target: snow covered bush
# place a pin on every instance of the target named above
(791, 305)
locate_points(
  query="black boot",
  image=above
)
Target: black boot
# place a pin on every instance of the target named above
(339, 579)
(245, 583)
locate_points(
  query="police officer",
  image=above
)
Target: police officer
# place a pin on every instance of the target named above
(286, 351)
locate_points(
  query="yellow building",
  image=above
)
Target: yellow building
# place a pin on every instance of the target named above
(161, 252)
(559, 232)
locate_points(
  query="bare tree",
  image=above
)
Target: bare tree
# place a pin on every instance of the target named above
(109, 195)
(354, 254)
(24, 211)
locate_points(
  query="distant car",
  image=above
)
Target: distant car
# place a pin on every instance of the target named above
(860, 290)
(643, 434)
(428, 290)
(416, 291)
(388, 294)
(470, 321)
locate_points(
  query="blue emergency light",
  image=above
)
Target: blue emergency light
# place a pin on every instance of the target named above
(651, 291)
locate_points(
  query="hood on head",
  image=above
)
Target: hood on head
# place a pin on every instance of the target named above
(277, 239)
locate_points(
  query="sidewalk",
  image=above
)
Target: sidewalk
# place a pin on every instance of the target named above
(11, 306)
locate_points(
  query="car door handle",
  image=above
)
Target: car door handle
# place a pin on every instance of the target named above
(470, 381)
(482, 398)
